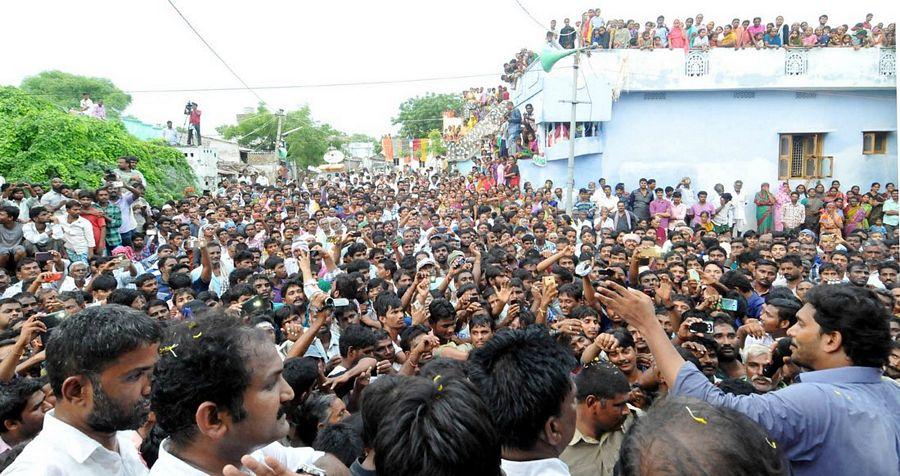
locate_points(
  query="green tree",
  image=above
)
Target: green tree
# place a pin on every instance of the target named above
(65, 90)
(39, 141)
(421, 114)
(436, 143)
(306, 140)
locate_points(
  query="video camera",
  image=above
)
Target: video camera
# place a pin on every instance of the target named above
(188, 107)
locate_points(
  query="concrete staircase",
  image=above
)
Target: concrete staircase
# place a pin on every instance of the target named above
(469, 145)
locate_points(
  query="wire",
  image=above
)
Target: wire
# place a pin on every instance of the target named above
(538, 22)
(225, 63)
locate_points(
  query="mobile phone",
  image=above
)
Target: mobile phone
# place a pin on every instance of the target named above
(606, 272)
(651, 252)
(782, 350)
(693, 275)
(548, 281)
(374, 371)
(442, 229)
(583, 269)
(54, 319)
(118, 184)
(728, 304)
(53, 277)
(254, 304)
(151, 232)
(702, 327)
(43, 256)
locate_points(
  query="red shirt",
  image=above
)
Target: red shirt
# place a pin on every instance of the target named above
(195, 116)
(97, 222)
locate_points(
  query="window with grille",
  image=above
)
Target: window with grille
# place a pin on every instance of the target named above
(800, 157)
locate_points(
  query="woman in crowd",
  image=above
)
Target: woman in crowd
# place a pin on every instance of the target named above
(765, 208)
(831, 221)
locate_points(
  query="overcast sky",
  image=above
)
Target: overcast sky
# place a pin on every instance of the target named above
(144, 45)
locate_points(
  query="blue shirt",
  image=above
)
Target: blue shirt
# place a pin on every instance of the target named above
(837, 421)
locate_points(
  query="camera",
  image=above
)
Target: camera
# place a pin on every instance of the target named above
(336, 302)
(702, 327)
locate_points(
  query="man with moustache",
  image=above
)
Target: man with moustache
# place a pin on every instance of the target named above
(603, 419)
(758, 356)
(99, 363)
(725, 335)
(219, 393)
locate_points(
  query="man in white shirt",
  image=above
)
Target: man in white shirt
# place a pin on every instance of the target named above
(86, 106)
(77, 233)
(219, 392)
(542, 369)
(99, 364)
(169, 134)
(739, 198)
(604, 198)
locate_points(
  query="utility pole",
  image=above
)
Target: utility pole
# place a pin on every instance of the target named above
(280, 116)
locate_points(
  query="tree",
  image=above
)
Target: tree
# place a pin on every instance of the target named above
(39, 141)
(436, 143)
(65, 90)
(419, 115)
(306, 140)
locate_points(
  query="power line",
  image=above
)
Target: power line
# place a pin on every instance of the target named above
(227, 66)
(538, 22)
(314, 85)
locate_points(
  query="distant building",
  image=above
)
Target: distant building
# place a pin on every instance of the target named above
(800, 115)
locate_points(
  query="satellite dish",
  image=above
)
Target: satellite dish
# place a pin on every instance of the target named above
(333, 156)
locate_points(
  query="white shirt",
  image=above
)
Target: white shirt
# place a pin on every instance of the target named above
(539, 467)
(170, 136)
(29, 230)
(78, 235)
(610, 203)
(61, 449)
(291, 458)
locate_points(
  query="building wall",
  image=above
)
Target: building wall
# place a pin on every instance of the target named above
(714, 137)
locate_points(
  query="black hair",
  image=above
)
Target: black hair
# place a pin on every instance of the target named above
(440, 309)
(571, 289)
(409, 334)
(523, 376)
(602, 380)
(124, 296)
(437, 427)
(104, 282)
(77, 295)
(858, 315)
(92, 339)
(736, 280)
(386, 301)
(737, 386)
(341, 440)
(481, 321)
(356, 336)
(141, 279)
(727, 439)
(376, 400)
(623, 337)
(239, 275)
(783, 299)
(179, 281)
(14, 397)
(215, 367)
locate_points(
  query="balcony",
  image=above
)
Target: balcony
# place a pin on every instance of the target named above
(631, 70)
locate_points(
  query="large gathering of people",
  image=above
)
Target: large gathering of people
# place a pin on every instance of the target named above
(422, 321)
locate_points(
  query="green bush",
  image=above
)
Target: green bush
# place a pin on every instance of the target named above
(38, 141)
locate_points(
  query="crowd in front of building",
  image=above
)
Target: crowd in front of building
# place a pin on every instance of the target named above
(368, 323)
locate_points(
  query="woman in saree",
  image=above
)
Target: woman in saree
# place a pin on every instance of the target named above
(831, 221)
(854, 216)
(765, 204)
(783, 196)
(677, 38)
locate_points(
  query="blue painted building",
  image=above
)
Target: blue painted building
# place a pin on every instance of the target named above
(717, 116)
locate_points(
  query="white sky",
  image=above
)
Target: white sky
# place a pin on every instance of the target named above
(143, 45)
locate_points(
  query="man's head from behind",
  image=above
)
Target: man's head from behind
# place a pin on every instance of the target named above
(524, 377)
(719, 438)
(437, 426)
(219, 385)
(99, 363)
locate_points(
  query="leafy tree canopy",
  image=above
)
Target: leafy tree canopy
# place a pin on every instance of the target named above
(421, 114)
(39, 141)
(65, 90)
(306, 139)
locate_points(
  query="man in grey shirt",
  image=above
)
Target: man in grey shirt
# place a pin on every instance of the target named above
(11, 237)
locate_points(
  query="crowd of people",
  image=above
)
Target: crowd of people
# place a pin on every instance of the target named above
(417, 322)
(694, 33)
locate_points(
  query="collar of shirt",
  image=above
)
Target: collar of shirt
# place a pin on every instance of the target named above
(539, 467)
(850, 374)
(169, 464)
